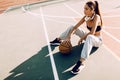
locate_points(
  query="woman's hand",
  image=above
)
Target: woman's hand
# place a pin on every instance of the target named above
(67, 39)
(80, 41)
(82, 38)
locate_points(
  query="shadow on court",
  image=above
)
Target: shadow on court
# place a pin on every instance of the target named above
(64, 62)
(38, 67)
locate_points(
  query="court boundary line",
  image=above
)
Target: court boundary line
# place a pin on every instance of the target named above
(109, 11)
(39, 15)
(109, 27)
(111, 16)
(110, 35)
(51, 16)
(116, 57)
(72, 9)
(49, 48)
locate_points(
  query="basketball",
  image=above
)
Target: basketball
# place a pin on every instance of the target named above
(65, 47)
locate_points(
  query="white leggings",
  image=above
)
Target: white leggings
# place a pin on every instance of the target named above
(91, 41)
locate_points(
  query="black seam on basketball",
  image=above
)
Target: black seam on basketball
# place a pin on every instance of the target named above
(64, 46)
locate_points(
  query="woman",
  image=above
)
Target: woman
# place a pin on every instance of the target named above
(92, 38)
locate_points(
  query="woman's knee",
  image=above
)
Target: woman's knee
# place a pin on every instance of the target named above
(90, 36)
(70, 27)
(80, 32)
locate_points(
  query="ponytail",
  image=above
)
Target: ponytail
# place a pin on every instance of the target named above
(97, 10)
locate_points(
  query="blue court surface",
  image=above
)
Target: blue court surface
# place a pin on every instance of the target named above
(25, 33)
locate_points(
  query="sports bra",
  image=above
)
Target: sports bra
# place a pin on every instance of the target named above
(97, 29)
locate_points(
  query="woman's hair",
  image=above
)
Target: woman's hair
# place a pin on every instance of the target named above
(94, 6)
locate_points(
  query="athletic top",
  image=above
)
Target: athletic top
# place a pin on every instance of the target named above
(97, 29)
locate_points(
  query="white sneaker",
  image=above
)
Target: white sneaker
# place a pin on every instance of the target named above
(79, 69)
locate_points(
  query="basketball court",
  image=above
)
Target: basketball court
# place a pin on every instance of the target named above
(25, 53)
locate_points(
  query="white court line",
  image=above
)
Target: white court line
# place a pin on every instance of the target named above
(49, 48)
(51, 16)
(60, 21)
(109, 27)
(111, 36)
(39, 16)
(72, 10)
(118, 58)
(107, 34)
(75, 20)
(111, 16)
(113, 10)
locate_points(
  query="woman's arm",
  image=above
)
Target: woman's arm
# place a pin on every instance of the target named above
(94, 26)
(92, 32)
(76, 26)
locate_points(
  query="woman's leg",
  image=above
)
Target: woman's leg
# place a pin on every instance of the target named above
(63, 36)
(91, 41)
(79, 32)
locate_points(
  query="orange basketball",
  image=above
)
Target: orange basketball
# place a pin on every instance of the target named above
(65, 47)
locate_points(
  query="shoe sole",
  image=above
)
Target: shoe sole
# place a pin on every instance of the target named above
(55, 44)
(80, 69)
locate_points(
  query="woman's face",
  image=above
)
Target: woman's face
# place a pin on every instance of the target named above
(88, 11)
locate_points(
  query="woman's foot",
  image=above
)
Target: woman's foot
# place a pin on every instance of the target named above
(77, 68)
(55, 42)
